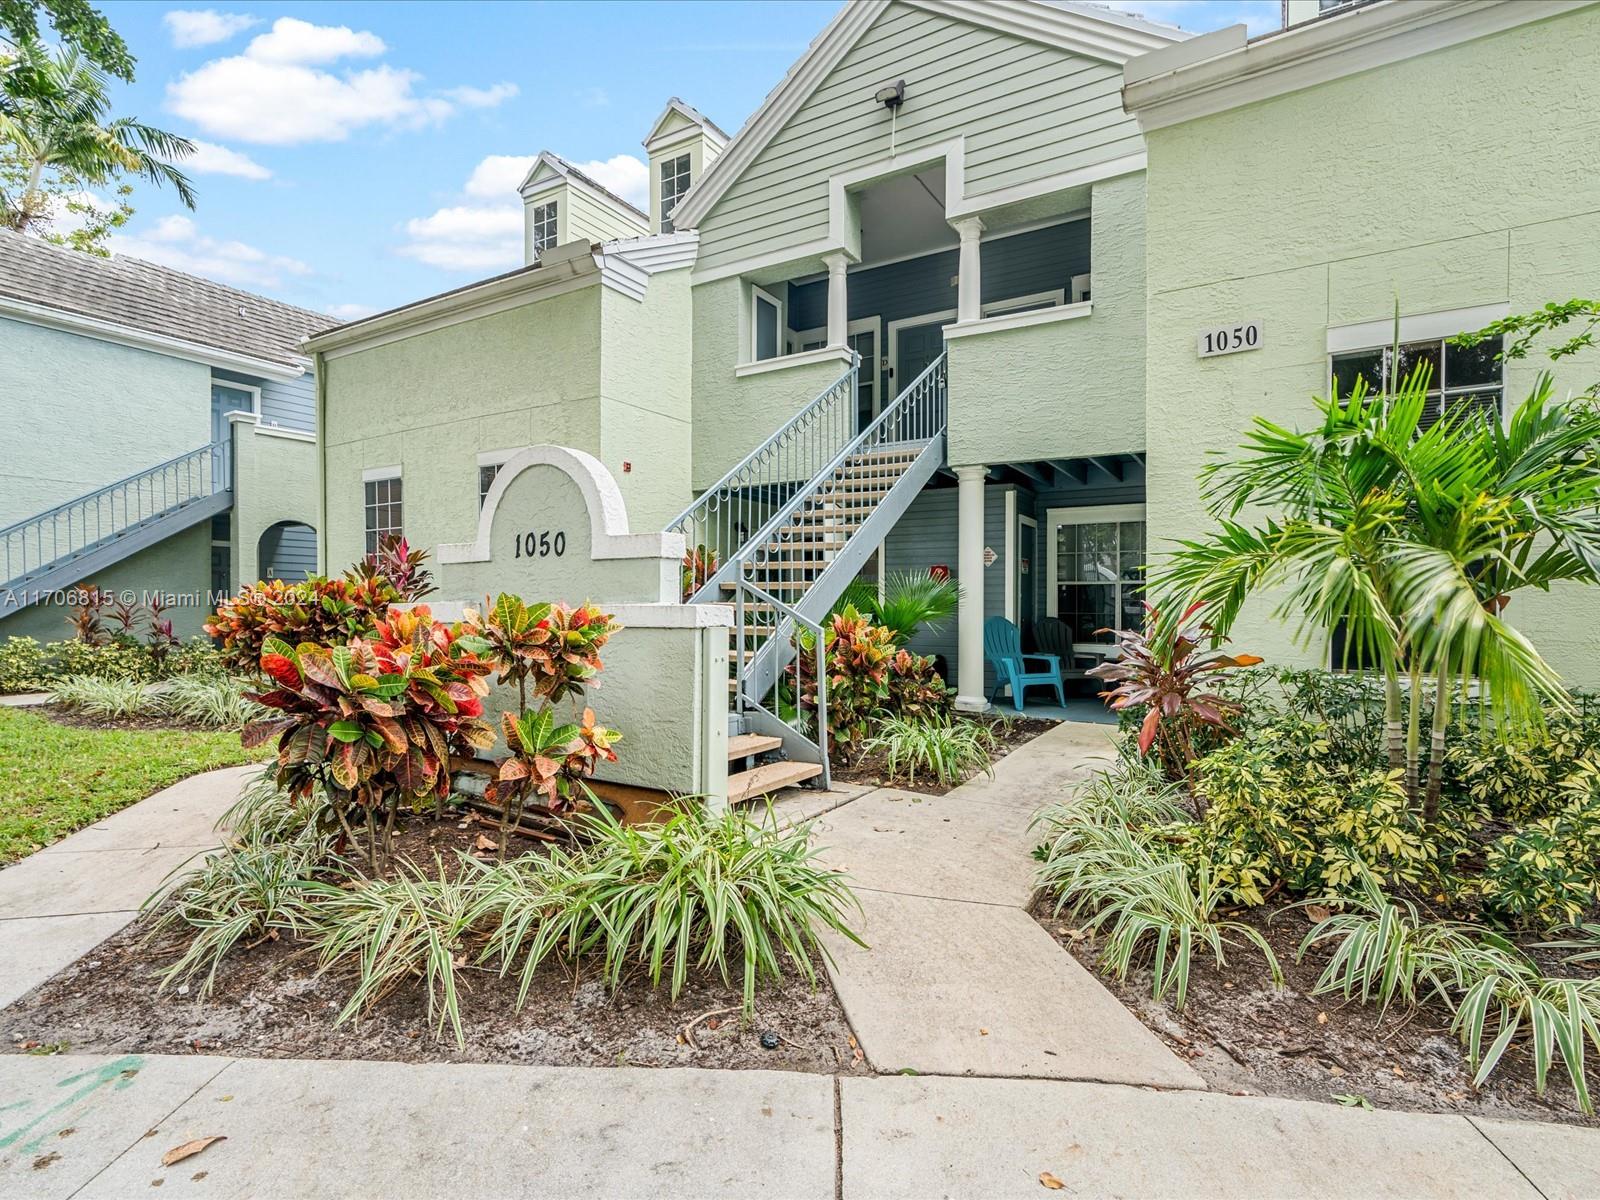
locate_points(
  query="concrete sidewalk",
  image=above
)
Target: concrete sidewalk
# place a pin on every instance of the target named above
(958, 979)
(98, 1127)
(58, 904)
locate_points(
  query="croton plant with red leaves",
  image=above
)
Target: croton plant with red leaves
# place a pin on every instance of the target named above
(376, 719)
(1168, 676)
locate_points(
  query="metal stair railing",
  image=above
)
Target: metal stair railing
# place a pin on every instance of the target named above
(798, 741)
(36, 543)
(720, 520)
(914, 421)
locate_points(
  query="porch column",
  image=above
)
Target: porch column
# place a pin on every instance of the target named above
(970, 695)
(969, 294)
(838, 304)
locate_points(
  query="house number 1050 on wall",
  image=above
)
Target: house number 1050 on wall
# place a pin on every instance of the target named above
(541, 545)
(1230, 339)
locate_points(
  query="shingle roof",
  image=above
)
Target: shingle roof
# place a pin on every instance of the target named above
(143, 296)
(566, 166)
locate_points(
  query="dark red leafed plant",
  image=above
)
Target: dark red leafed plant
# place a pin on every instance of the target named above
(374, 721)
(395, 561)
(1168, 676)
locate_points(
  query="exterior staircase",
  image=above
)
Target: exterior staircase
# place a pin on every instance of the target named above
(67, 544)
(821, 497)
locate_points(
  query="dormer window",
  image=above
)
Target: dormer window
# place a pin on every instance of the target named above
(544, 226)
(674, 183)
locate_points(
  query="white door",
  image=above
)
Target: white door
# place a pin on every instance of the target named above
(1096, 578)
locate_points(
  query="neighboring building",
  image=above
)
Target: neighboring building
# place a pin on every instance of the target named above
(159, 436)
(936, 305)
(1443, 158)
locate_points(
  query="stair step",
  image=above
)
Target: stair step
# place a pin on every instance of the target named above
(784, 585)
(769, 778)
(746, 744)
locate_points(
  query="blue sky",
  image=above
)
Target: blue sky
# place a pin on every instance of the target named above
(360, 155)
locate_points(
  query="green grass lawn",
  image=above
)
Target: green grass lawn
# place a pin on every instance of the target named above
(55, 779)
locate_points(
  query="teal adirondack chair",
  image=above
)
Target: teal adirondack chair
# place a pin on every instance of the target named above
(1002, 645)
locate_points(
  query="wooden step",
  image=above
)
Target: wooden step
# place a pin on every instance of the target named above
(743, 745)
(769, 778)
(777, 585)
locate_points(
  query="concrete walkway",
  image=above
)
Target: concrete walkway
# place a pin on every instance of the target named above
(60, 903)
(959, 979)
(24, 699)
(98, 1127)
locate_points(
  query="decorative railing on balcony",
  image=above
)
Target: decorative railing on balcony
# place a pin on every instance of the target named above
(35, 545)
(727, 513)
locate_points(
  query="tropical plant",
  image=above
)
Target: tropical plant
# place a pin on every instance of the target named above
(1523, 329)
(56, 138)
(699, 565)
(396, 564)
(910, 601)
(76, 23)
(1105, 858)
(1412, 538)
(869, 678)
(317, 610)
(369, 723)
(23, 666)
(548, 760)
(112, 699)
(214, 701)
(1167, 673)
(250, 891)
(703, 890)
(949, 750)
(1382, 950)
(88, 607)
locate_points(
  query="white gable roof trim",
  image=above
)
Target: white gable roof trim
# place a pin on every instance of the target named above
(1078, 28)
(565, 173)
(701, 122)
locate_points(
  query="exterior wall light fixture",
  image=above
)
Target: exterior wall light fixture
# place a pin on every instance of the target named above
(891, 95)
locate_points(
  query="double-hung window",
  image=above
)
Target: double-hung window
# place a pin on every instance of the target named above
(1456, 376)
(383, 509)
(544, 226)
(674, 183)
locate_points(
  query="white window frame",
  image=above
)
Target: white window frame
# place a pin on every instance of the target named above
(758, 294)
(798, 338)
(1421, 331)
(1091, 514)
(255, 394)
(1034, 300)
(381, 475)
(873, 370)
(669, 203)
(554, 219)
(1082, 288)
(489, 458)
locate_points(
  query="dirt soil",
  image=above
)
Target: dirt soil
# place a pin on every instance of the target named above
(873, 770)
(62, 715)
(1244, 1037)
(269, 1002)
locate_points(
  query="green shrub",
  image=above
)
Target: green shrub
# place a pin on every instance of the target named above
(108, 660)
(214, 701)
(1547, 871)
(951, 751)
(1277, 811)
(869, 677)
(1382, 950)
(1107, 854)
(109, 698)
(699, 890)
(22, 665)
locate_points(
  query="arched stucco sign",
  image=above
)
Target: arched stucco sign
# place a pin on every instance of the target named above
(554, 525)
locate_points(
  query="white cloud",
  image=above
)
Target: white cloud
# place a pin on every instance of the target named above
(176, 241)
(349, 312)
(273, 95)
(625, 175)
(489, 97)
(1202, 16)
(296, 41)
(211, 159)
(467, 238)
(499, 175)
(205, 26)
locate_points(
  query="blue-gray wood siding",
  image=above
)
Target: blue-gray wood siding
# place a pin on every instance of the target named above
(1040, 260)
(927, 534)
(288, 550)
(286, 403)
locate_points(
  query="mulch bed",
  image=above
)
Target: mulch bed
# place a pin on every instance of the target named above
(873, 770)
(63, 715)
(1244, 1037)
(269, 1002)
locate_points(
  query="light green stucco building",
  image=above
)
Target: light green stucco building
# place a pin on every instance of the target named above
(159, 437)
(939, 306)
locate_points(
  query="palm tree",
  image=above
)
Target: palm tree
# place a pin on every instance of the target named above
(54, 136)
(910, 601)
(1412, 540)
